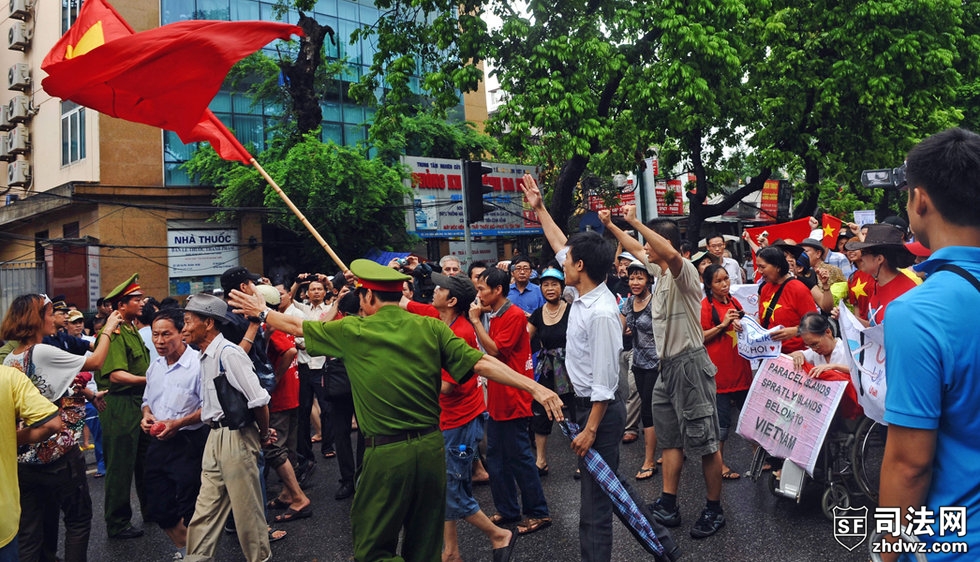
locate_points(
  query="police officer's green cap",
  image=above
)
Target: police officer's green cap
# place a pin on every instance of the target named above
(127, 288)
(374, 276)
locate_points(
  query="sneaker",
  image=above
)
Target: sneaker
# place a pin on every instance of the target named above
(708, 524)
(663, 516)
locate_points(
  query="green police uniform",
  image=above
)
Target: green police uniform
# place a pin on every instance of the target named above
(394, 360)
(123, 441)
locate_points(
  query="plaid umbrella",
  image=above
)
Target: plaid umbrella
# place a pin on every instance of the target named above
(629, 508)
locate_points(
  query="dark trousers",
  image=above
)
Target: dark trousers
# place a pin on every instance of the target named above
(173, 476)
(341, 412)
(596, 512)
(125, 451)
(46, 490)
(311, 388)
(510, 463)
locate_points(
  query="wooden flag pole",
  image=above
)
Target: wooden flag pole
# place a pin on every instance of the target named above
(299, 215)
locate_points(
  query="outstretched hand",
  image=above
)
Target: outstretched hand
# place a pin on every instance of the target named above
(531, 191)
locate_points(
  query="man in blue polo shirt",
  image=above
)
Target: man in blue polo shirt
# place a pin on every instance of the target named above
(526, 295)
(933, 353)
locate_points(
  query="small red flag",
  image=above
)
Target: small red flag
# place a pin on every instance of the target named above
(831, 230)
(796, 231)
(164, 77)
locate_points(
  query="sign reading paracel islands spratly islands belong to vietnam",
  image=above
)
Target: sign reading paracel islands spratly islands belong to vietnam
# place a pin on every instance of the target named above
(437, 200)
(788, 413)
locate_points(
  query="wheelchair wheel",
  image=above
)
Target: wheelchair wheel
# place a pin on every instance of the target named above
(834, 496)
(866, 456)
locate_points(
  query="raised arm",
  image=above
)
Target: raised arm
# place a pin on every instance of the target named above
(252, 305)
(552, 232)
(626, 242)
(661, 247)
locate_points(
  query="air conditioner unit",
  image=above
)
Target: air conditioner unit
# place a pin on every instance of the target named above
(5, 155)
(21, 9)
(19, 140)
(19, 109)
(19, 36)
(5, 123)
(18, 173)
(19, 77)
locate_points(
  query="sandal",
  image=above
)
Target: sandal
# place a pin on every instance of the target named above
(276, 535)
(294, 514)
(499, 520)
(543, 470)
(276, 503)
(532, 525)
(646, 473)
(630, 437)
(730, 475)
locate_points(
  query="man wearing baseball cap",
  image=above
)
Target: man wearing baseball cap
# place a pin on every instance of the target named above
(393, 358)
(124, 375)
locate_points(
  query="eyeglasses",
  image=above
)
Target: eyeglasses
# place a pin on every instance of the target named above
(522, 268)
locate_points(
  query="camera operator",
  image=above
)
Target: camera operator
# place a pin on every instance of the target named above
(311, 370)
(422, 284)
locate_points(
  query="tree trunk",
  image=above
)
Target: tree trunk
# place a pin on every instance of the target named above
(301, 75)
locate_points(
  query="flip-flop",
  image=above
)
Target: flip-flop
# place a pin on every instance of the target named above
(646, 473)
(503, 553)
(630, 438)
(329, 454)
(533, 525)
(730, 475)
(277, 503)
(316, 439)
(277, 534)
(543, 470)
(292, 514)
(499, 520)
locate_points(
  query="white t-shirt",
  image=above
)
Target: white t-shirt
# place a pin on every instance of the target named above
(54, 369)
(838, 356)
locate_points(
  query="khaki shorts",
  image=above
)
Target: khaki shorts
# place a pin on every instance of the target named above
(684, 403)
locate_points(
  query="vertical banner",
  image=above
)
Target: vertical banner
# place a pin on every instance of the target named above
(867, 355)
(788, 413)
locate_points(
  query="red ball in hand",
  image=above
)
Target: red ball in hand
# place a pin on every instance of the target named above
(157, 428)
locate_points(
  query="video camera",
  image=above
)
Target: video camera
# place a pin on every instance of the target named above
(893, 178)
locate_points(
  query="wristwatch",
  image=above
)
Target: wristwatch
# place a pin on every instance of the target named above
(263, 314)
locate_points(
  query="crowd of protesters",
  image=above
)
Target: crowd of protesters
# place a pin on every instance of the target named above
(198, 405)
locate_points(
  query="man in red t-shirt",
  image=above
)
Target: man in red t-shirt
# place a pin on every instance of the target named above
(463, 416)
(510, 461)
(281, 454)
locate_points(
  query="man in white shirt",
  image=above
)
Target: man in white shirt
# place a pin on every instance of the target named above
(593, 343)
(716, 245)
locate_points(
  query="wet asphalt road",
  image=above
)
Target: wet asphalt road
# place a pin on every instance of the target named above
(759, 526)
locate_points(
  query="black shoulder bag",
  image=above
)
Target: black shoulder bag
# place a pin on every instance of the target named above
(772, 304)
(233, 401)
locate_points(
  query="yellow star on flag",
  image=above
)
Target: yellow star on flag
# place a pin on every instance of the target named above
(91, 39)
(858, 289)
(828, 231)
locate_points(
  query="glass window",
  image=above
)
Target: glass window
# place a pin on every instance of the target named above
(347, 9)
(69, 12)
(244, 10)
(176, 10)
(72, 133)
(213, 10)
(333, 132)
(354, 134)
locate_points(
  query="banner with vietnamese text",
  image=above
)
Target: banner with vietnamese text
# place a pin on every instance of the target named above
(755, 342)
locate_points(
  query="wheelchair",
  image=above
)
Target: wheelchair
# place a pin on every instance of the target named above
(849, 465)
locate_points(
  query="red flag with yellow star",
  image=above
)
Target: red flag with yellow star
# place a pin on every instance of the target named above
(164, 77)
(831, 230)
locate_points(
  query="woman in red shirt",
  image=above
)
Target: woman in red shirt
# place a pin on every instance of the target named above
(720, 314)
(883, 252)
(783, 299)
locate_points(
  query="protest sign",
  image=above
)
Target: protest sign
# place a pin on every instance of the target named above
(748, 297)
(788, 413)
(862, 218)
(755, 342)
(867, 355)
